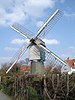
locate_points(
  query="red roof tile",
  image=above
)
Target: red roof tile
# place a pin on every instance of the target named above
(25, 68)
(71, 62)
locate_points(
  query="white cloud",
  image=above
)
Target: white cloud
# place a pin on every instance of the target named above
(36, 8)
(19, 41)
(51, 41)
(39, 23)
(47, 41)
(18, 11)
(72, 49)
(4, 60)
(70, 15)
(10, 49)
(62, 1)
(69, 53)
(65, 56)
(9, 18)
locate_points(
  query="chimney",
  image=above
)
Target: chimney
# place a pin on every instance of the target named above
(68, 58)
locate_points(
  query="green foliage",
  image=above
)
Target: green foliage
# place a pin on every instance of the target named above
(7, 85)
(32, 94)
(38, 79)
(34, 84)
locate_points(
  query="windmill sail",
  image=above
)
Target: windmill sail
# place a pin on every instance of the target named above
(55, 61)
(22, 30)
(49, 24)
(17, 56)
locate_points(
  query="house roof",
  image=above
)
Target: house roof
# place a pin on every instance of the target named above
(71, 62)
(25, 68)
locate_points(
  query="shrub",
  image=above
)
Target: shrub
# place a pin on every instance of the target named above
(32, 94)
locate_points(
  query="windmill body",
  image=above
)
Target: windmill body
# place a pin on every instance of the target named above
(37, 48)
(35, 52)
(37, 57)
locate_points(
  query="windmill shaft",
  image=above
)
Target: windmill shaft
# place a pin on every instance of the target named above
(14, 28)
(11, 67)
(55, 56)
(18, 57)
(42, 28)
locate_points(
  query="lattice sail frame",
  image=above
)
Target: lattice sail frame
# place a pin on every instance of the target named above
(49, 24)
(22, 30)
(54, 64)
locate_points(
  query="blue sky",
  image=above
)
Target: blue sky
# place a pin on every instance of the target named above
(32, 14)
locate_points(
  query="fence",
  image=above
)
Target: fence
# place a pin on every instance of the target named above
(52, 87)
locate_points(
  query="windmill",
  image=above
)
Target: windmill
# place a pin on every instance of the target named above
(37, 47)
